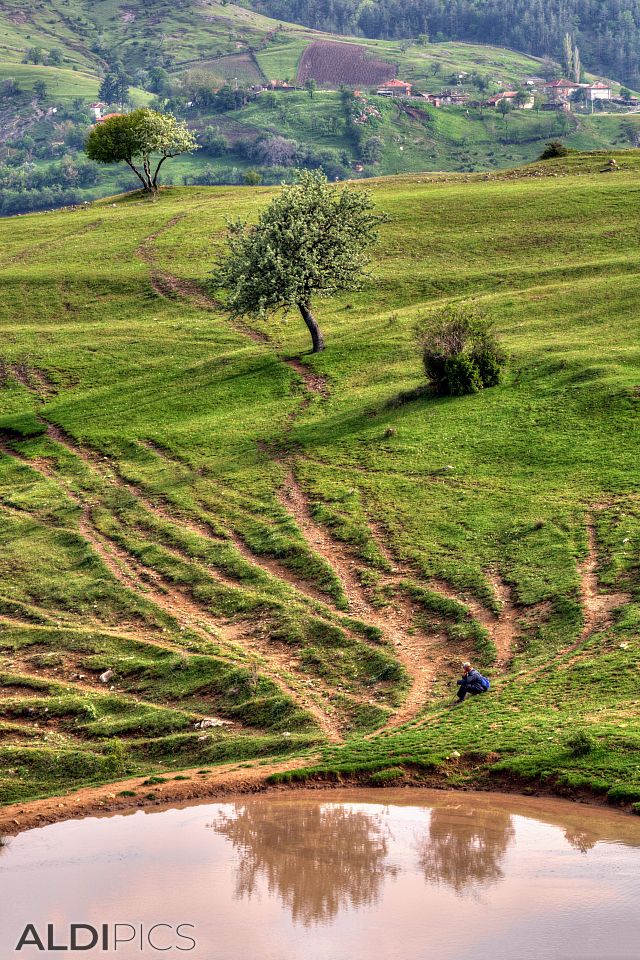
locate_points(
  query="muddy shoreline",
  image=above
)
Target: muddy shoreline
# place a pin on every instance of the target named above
(234, 778)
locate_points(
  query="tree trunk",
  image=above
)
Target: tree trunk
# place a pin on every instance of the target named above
(316, 336)
(146, 186)
(154, 182)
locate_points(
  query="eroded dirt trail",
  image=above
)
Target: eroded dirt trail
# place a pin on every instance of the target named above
(191, 615)
(502, 627)
(110, 472)
(421, 654)
(147, 583)
(597, 607)
(171, 287)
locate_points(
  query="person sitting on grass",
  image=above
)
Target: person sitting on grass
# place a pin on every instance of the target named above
(471, 682)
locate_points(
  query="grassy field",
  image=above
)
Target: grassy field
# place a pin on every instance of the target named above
(303, 553)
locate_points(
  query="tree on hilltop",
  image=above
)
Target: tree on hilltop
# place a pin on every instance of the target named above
(143, 140)
(311, 241)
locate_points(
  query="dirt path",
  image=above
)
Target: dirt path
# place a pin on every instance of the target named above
(271, 663)
(95, 801)
(133, 635)
(502, 627)
(422, 655)
(91, 684)
(597, 607)
(150, 585)
(34, 380)
(171, 287)
(270, 565)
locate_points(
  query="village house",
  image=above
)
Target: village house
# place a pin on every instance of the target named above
(108, 116)
(597, 91)
(394, 88)
(561, 89)
(455, 98)
(97, 109)
(511, 97)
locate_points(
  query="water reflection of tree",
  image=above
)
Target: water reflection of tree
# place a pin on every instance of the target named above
(319, 858)
(580, 839)
(464, 848)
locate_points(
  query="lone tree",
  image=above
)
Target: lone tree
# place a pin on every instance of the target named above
(143, 140)
(311, 241)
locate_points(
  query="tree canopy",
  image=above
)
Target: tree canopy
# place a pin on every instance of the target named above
(311, 241)
(143, 140)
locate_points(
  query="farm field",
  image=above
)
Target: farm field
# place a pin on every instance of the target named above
(336, 63)
(280, 560)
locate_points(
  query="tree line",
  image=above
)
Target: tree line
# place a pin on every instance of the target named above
(607, 31)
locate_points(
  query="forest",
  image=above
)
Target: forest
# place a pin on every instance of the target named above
(607, 31)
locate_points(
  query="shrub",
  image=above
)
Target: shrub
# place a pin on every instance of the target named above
(555, 148)
(579, 744)
(459, 351)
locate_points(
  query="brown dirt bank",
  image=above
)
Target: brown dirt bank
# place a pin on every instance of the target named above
(236, 778)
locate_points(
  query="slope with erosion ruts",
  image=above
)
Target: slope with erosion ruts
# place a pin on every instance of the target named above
(401, 518)
(139, 576)
(421, 655)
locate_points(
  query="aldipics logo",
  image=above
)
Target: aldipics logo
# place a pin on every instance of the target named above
(81, 937)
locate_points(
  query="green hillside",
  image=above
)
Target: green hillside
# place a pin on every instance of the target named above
(176, 35)
(301, 550)
(54, 55)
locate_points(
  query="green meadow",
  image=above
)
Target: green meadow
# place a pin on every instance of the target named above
(303, 549)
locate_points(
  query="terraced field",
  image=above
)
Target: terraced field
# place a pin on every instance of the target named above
(216, 547)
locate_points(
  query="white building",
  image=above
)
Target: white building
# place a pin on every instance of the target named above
(597, 91)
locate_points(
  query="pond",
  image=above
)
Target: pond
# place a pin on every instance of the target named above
(330, 875)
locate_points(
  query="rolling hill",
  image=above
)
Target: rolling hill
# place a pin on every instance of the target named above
(69, 46)
(215, 547)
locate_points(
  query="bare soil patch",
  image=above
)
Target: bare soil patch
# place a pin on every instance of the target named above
(332, 62)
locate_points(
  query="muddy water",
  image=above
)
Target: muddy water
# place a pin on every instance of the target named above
(328, 875)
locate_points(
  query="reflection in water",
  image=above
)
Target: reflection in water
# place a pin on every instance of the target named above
(319, 859)
(580, 839)
(464, 847)
(342, 875)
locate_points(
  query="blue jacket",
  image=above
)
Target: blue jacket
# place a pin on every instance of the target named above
(471, 682)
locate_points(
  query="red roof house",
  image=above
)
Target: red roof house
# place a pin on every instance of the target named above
(108, 116)
(395, 88)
